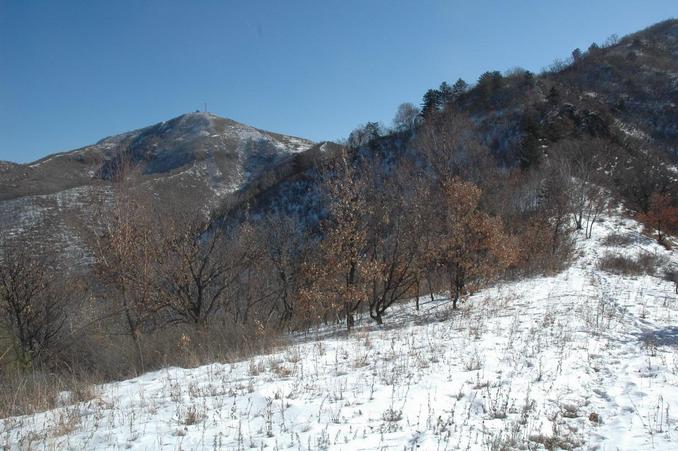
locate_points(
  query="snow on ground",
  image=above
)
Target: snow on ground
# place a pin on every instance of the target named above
(631, 130)
(584, 359)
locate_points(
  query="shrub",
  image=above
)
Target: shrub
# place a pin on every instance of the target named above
(618, 239)
(629, 266)
(662, 216)
(24, 393)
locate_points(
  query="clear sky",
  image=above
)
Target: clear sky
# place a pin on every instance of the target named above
(73, 72)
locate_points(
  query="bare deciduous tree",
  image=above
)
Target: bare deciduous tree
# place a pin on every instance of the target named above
(284, 241)
(578, 169)
(407, 117)
(392, 239)
(33, 303)
(195, 271)
(450, 147)
(125, 253)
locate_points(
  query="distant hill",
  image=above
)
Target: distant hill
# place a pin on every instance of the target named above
(192, 161)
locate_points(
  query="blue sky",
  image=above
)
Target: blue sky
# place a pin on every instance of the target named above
(73, 72)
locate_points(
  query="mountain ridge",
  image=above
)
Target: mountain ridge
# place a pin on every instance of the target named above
(192, 161)
(187, 138)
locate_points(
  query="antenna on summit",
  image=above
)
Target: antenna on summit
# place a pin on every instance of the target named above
(205, 107)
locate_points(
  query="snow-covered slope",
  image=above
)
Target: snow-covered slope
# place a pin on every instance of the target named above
(584, 359)
(192, 162)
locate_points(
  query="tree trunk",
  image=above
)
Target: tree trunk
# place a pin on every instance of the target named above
(454, 294)
(134, 332)
(456, 287)
(140, 354)
(430, 287)
(350, 320)
(417, 299)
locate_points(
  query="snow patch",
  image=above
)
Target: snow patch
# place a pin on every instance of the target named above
(630, 130)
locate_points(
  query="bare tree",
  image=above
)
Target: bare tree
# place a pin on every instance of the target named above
(577, 168)
(597, 203)
(555, 204)
(451, 148)
(407, 117)
(125, 254)
(392, 237)
(260, 285)
(284, 241)
(33, 303)
(198, 268)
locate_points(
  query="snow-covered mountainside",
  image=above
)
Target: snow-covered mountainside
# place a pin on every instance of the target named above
(583, 359)
(227, 148)
(192, 162)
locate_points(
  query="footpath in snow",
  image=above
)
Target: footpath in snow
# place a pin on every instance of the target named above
(585, 359)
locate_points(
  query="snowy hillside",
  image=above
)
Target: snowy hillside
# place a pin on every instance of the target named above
(193, 162)
(584, 359)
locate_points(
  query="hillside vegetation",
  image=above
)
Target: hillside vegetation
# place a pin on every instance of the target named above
(585, 358)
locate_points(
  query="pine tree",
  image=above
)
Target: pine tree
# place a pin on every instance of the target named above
(553, 96)
(530, 153)
(488, 85)
(431, 103)
(576, 55)
(446, 94)
(458, 88)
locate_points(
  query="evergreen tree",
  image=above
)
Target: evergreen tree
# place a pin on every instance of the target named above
(528, 79)
(458, 88)
(553, 96)
(530, 153)
(431, 102)
(576, 55)
(446, 94)
(372, 130)
(488, 84)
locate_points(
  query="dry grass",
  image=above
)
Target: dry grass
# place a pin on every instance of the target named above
(643, 264)
(26, 393)
(618, 240)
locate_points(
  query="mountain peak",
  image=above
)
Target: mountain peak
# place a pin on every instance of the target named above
(198, 117)
(194, 137)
